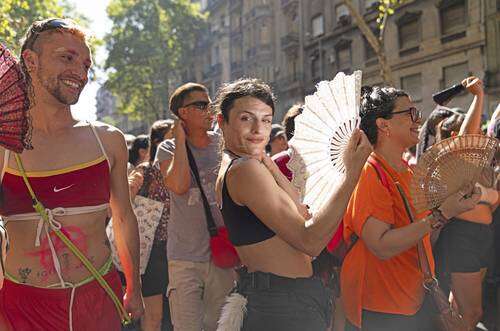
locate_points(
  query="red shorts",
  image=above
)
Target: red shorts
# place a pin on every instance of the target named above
(26, 307)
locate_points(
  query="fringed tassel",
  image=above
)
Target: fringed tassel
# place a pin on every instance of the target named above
(233, 313)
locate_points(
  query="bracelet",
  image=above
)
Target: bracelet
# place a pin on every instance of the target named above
(439, 219)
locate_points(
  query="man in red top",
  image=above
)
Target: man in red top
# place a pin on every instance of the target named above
(77, 170)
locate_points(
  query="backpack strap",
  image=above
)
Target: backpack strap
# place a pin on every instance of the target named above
(380, 171)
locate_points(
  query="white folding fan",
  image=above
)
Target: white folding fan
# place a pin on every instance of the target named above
(321, 135)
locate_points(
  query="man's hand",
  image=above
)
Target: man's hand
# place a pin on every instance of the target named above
(179, 132)
(474, 85)
(133, 304)
(356, 153)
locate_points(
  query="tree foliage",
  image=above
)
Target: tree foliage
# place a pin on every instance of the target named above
(17, 15)
(385, 9)
(148, 45)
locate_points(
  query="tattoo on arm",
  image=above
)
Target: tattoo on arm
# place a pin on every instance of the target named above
(23, 274)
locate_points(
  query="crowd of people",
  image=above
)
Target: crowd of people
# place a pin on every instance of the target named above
(222, 165)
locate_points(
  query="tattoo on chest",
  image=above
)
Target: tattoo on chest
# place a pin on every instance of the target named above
(23, 274)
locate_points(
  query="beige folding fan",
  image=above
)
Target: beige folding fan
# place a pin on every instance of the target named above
(448, 166)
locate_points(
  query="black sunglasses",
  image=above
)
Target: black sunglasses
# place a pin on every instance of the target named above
(415, 114)
(56, 23)
(199, 105)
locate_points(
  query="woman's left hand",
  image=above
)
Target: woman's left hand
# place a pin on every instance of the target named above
(474, 85)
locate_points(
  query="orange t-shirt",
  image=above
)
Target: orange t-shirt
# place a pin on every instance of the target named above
(367, 282)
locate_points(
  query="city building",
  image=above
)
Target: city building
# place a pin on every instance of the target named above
(293, 44)
(106, 112)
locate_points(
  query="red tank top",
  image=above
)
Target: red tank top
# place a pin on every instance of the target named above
(80, 185)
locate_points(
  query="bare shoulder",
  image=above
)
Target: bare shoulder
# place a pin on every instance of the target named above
(108, 133)
(113, 141)
(248, 171)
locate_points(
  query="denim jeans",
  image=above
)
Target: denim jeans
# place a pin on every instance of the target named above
(278, 303)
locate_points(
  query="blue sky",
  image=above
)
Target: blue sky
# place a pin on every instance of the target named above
(95, 10)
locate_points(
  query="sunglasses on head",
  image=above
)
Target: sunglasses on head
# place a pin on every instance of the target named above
(199, 105)
(415, 114)
(56, 23)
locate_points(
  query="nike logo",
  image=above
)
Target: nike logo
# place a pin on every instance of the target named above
(62, 188)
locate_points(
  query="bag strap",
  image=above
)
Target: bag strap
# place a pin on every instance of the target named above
(423, 259)
(212, 228)
(40, 209)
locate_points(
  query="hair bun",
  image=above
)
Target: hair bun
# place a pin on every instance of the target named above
(366, 90)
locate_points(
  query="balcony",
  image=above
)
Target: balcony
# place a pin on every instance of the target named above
(258, 11)
(291, 40)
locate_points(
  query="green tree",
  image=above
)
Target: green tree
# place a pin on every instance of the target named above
(148, 45)
(385, 9)
(17, 15)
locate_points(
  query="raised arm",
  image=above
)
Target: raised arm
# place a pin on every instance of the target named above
(175, 168)
(124, 221)
(472, 121)
(251, 184)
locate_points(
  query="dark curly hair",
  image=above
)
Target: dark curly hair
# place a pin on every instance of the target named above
(140, 142)
(244, 87)
(289, 119)
(156, 134)
(377, 102)
(452, 120)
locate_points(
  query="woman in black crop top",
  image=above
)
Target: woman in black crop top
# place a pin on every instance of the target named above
(273, 234)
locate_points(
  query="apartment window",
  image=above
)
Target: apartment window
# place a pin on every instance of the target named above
(318, 26)
(265, 37)
(413, 85)
(342, 15)
(454, 74)
(453, 15)
(315, 67)
(409, 33)
(343, 56)
(369, 51)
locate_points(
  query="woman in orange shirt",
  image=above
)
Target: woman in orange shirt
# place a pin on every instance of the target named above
(381, 281)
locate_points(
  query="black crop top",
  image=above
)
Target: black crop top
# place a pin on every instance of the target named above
(243, 226)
